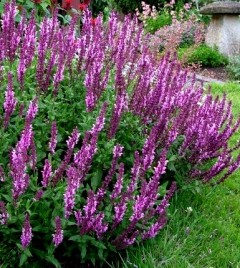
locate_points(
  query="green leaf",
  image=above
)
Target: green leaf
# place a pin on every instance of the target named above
(98, 244)
(28, 204)
(71, 223)
(44, 5)
(53, 260)
(27, 252)
(96, 179)
(76, 238)
(39, 253)
(93, 260)
(7, 197)
(23, 259)
(30, 5)
(171, 167)
(100, 254)
(51, 249)
(83, 251)
(40, 228)
(172, 158)
(19, 246)
(17, 18)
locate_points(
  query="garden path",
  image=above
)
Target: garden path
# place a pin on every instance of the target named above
(206, 79)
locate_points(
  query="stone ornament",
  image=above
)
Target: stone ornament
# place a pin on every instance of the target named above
(224, 29)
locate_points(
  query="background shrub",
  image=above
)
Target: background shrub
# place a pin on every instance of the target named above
(126, 7)
(153, 24)
(203, 55)
(185, 29)
(234, 67)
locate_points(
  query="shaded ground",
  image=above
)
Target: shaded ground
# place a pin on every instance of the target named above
(219, 73)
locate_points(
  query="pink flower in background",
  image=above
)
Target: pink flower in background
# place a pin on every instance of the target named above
(67, 4)
(82, 6)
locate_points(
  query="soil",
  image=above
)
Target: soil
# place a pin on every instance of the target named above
(219, 73)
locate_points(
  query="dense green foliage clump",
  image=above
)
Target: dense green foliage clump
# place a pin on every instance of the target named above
(203, 55)
(234, 67)
(153, 24)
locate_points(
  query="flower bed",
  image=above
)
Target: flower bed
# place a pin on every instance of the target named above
(96, 134)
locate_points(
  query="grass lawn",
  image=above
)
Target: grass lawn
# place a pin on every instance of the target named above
(204, 227)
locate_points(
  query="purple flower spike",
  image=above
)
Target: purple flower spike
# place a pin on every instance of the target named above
(58, 236)
(119, 183)
(2, 175)
(73, 139)
(46, 173)
(3, 213)
(32, 111)
(120, 210)
(79, 217)
(33, 155)
(117, 151)
(26, 236)
(71, 143)
(100, 227)
(27, 49)
(155, 228)
(118, 110)
(11, 35)
(73, 183)
(38, 195)
(18, 162)
(10, 101)
(53, 140)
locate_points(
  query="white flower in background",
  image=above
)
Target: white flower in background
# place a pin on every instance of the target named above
(189, 210)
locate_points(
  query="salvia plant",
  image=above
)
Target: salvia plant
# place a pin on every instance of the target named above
(96, 134)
